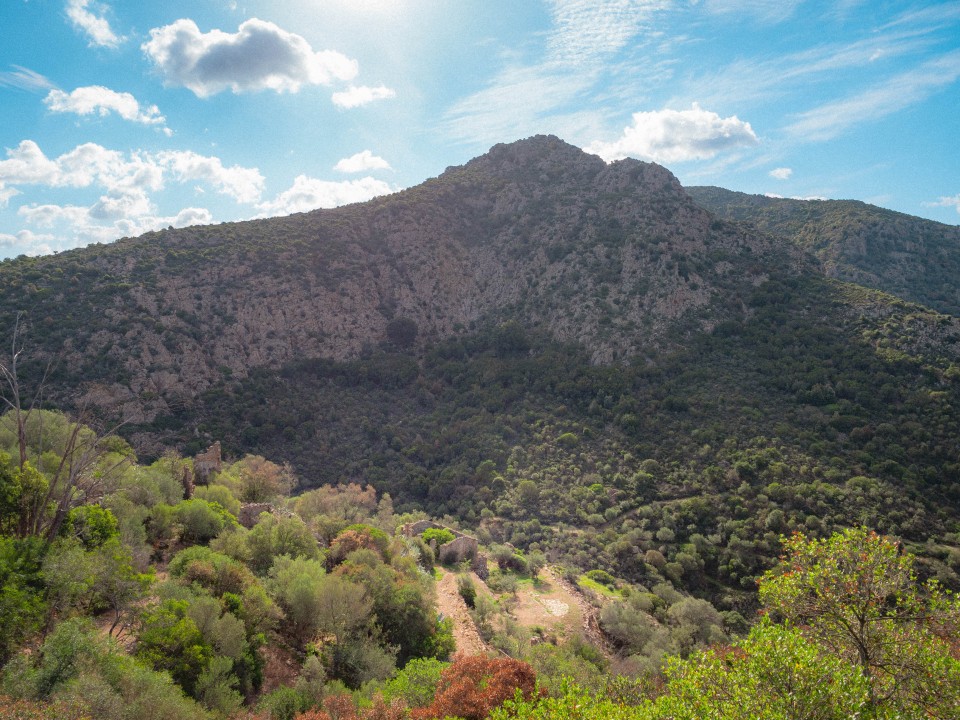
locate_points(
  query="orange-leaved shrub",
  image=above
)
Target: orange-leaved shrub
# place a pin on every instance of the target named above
(474, 685)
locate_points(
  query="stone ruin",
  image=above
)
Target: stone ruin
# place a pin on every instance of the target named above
(462, 547)
(207, 463)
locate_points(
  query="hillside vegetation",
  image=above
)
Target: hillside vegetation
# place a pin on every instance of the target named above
(635, 397)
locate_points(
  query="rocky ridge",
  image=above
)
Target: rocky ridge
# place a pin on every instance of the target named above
(615, 257)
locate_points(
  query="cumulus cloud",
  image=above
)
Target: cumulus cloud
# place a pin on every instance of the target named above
(677, 135)
(127, 178)
(5, 194)
(356, 96)
(102, 101)
(74, 226)
(259, 56)
(244, 185)
(28, 242)
(309, 193)
(781, 173)
(89, 18)
(362, 161)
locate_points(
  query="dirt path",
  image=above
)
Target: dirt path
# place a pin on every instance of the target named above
(452, 606)
(588, 614)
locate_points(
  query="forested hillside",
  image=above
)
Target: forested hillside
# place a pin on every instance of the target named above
(907, 256)
(620, 392)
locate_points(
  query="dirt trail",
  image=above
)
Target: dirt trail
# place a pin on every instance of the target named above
(452, 606)
(589, 615)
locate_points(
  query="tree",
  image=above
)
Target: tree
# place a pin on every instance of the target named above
(473, 686)
(262, 480)
(73, 475)
(856, 594)
(775, 673)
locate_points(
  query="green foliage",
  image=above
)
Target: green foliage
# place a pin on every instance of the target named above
(214, 571)
(92, 525)
(23, 605)
(170, 640)
(440, 535)
(857, 595)
(402, 332)
(602, 577)
(284, 703)
(201, 520)
(774, 673)
(467, 590)
(416, 683)
(274, 536)
(92, 675)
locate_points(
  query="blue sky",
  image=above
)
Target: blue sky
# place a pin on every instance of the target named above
(122, 116)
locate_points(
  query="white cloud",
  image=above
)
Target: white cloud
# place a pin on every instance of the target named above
(355, 96)
(27, 164)
(117, 204)
(585, 30)
(47, 216)
(677, 135)
(781, 173)
(126, 178)
(362, 161)
(893, 94)
(28, 242)
(92, 22)
(74, 226)
(953, 202)
(102, 101)
(244, 185)
(25, 79)
(259, 56)
(309, 193)
(5, 194)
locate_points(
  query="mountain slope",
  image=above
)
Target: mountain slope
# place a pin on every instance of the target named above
(616, 258)
(907, 256)
(565, 354)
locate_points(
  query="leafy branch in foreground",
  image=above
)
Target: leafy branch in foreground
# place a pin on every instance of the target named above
(856, 594)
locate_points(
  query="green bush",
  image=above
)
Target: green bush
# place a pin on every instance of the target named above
(440, 535)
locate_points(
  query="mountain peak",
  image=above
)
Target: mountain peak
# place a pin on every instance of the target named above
(548, 159)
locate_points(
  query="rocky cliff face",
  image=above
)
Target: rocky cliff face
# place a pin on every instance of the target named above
(615, 257)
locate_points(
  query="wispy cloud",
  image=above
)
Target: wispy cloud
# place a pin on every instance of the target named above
(765, 11)
(589, 30)
(893, 94)
(259, 56)
(549, 94)
(24, 79)
(953, 202)
(781, 173)
(90, 18)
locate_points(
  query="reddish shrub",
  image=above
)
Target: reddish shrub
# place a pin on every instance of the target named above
(473, 686)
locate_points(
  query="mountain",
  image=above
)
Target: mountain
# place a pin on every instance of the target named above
(907, 256)
(565, 355)
(616, 258)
